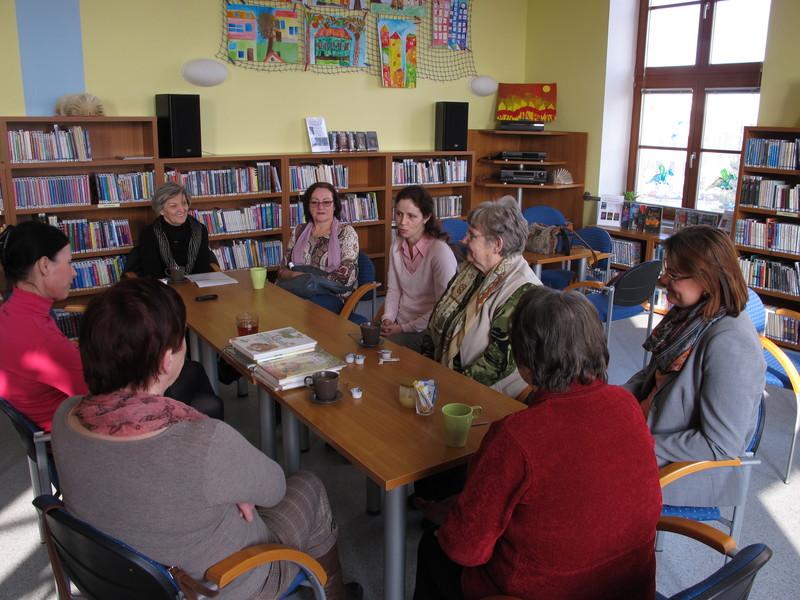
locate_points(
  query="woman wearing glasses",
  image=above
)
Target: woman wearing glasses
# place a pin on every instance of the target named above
(325, 243)
(702, 389)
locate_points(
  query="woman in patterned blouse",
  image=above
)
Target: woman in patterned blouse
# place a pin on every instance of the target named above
(324, 242)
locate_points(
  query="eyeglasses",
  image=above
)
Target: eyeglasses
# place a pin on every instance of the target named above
(321, 203)
(474, 236)
(672, 276)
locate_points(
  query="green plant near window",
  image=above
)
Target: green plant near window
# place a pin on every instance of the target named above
(630, 196)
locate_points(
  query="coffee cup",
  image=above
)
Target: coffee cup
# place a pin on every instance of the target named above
(385, 354)
(370, 333)
(258, 275)
(176, 274)
(457, 423)
(325, 385)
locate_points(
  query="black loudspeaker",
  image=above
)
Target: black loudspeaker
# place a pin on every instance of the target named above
(451, 125)
(178, 125)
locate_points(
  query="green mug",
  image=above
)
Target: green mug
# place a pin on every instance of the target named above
(457, 423)
(258, 275)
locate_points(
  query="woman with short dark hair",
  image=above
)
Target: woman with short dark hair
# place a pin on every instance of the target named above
(183, 489)
(325, 243)
(562, 499)
(703, 386)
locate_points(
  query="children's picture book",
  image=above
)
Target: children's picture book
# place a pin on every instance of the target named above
(361, 141)
(625, 218)
(266, 345)
(686, 217)
(289, 372)
(726, 221)
(652, 220)
(317, 134)
(372, 141)
(609, 212)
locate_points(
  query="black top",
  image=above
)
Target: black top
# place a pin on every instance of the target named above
(146, 259)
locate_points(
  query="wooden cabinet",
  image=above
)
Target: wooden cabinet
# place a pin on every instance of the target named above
(766, 227)
(564, 149)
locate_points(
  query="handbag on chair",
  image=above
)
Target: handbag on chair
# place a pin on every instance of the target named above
(312, 282)
(547, 239)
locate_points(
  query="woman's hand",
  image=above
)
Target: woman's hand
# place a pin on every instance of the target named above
(246, 510)
(389, 328)
(285, 273)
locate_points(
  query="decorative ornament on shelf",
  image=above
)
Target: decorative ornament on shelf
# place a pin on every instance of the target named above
(79, 105)
(204, 72)
(483, 85)
(562, 177)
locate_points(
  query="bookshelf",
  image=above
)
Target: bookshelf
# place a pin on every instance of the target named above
(565, 149)
(246, 205)
(766, 228)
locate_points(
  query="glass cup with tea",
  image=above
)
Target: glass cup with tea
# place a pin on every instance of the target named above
(247, 323)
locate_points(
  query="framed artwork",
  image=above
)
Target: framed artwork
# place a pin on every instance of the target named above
(526, 102)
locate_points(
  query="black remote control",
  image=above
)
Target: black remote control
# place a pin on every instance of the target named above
(206, 297)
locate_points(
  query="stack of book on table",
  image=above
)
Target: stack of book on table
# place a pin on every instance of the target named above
(285, 357)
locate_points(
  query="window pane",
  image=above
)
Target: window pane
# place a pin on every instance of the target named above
(725, 118)
(672, 36)
(665, 119)
(659, 177)
(716, 187)
(739, 33)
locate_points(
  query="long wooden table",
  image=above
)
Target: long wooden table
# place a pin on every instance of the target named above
(579, 253)
(391, 444)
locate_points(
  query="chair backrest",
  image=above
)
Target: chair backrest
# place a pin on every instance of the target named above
(598, 239)
(457, 230)
(734, 580)
(636, 285)
(101, 566)
(752, 447)
(24, 426)
(546, 215)
(366, 272)
(755, 310)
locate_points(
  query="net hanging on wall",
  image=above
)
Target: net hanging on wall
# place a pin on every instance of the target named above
(272, 35)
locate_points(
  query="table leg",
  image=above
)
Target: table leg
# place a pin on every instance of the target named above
(194, 346)
(581, 269)
(394, 544)
(208, 357)
(266, 415)
(291, 441)
(373, 498)
(305, 439)
(537, 270)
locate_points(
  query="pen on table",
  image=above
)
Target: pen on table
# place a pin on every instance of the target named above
(479, 423)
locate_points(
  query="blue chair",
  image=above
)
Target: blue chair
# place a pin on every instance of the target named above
(546, 215)
(625, 295)
(457, 230)
(592, 237)
(782, 366)
(104, 567)
(35, 440)
(365, 290)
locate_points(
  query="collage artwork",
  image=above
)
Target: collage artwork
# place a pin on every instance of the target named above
(294, 34)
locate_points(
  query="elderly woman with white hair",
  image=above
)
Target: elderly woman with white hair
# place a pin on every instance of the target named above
(174, 239)
(469, 328)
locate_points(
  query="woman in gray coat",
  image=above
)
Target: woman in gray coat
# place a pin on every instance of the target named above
(701, 391)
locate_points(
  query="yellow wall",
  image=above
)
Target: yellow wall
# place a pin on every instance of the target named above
(12, 98)
(780, 79)
(253, 111)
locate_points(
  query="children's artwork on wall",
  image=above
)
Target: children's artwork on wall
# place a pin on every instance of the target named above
(263, 34)
(440, 23)
(398, 41)
(335, 40)
(459, 24)
(526, 102)
(411, 8)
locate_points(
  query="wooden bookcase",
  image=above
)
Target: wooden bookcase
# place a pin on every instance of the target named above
(765, 214)
(565, 149)
(115, 137)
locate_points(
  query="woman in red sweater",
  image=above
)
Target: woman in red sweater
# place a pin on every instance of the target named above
(563, 498)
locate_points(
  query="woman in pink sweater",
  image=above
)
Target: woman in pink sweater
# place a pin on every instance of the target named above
(421, 265)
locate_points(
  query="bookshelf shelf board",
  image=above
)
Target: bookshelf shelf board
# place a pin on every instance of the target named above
(87, 291)
(227, 159)
(767, 252)
(353, 189)
(376, 254)
(491, 183)
(621, 266)
(398, 186)
(365, 223)
(774, 293)
(531, 133)
(82, 207)
(80, 164)
(770, 171)
(244, 234)
(235, 197)
(634, 235)
(537, 163)
(101, 252)
(784, 343)
(423, 154)
(757, 210)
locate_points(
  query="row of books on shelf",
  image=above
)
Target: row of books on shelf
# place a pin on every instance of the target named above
(282, 358)
(258, 217)
(769, 193)
(68, 322)
(359, 207)
(244, 254)
(88, 236)
(97, 272)
(781, 327)
(71, 144)
(626, 252)
(125, 187)
(436, 170)
(771, 274)
(302, 176)
(770, 235)
(648, 218)
(263, 177)
(771, 153)
(448, 206)
(353, 141)
(61, 190)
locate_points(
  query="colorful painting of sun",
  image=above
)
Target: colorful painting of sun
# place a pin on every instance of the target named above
(526, 102)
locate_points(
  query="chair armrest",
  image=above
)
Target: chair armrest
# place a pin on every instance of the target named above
(75, 308)
(785, 362)
(788, 312)
(523, 395)
(598, 285)
(355, 298)
(228, 569)
(674, 471)
(711, 537)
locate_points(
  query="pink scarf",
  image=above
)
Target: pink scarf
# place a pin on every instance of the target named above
(124, 413)
(334, 249)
